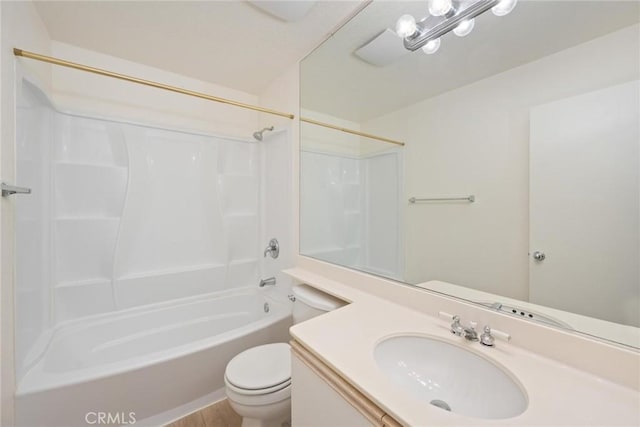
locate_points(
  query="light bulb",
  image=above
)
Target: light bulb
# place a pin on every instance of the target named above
(464, 27)
(504, 7)
(406, 26)
(440, 7)
(432, 46)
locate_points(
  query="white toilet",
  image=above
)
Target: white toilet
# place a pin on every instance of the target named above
(258, 380)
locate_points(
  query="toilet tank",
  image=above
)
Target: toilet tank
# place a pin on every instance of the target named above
(311, 302)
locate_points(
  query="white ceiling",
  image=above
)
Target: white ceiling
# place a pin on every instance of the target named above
(230, 43)
(335, 82)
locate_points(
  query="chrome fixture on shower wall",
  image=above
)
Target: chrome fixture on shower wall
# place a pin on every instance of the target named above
(445, 16)
(271, 281)
(8, 190)
(273, 249)
(258, 134)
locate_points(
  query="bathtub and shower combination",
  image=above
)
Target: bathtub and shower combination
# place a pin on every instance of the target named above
(144, 362)
(138, 262)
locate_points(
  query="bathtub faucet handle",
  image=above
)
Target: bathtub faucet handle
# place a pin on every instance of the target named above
(273, 249)
(271, 281)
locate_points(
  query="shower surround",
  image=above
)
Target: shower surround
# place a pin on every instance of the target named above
(131, 236)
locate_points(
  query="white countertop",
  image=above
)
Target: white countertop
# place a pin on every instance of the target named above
(557, 394)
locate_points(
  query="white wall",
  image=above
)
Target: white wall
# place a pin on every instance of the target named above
(103, 96)
(474, 140)
(276, 194)
(322, 139)
(280, 183)
(328, 140)
(20, 26)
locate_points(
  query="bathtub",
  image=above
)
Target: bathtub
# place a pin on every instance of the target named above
(145, 361)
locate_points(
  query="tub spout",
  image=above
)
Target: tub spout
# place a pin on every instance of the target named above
(271, 281)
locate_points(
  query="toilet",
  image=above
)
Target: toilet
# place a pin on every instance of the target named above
(258, 380)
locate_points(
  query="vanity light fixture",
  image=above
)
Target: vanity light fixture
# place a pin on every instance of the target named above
(464, 27)
(431, 46)
(440, 7)
(445, 16)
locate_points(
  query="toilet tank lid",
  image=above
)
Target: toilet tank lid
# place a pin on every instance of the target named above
(316, 298)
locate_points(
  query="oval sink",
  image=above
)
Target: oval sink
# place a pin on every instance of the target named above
(450, 377)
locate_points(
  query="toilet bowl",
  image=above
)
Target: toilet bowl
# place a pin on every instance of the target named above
(258, 385)
(258, 380)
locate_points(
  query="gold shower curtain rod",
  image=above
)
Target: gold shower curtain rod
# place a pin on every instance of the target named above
(353, 132)
(68, 64)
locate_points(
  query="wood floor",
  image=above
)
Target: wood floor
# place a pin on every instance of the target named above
(219, 414)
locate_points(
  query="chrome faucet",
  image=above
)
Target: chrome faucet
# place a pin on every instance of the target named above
(273, 249)
(467, 332)
(488, 336)
(271, 281)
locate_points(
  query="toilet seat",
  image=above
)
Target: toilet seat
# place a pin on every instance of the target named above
(259, 399)
(261, 370)
(254, 392)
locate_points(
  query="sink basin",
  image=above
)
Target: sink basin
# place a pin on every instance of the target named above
(450, 377)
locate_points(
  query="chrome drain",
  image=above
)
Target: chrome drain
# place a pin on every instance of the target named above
(441, 404)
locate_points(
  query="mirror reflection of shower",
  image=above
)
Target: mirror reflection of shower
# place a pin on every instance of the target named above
(258, 134)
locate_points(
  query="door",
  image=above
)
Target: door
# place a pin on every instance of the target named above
(584, 204)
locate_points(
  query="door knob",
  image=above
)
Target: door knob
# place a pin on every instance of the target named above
(539, 256)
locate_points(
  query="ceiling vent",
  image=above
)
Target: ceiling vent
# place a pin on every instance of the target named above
(384, 49)
(288, 11)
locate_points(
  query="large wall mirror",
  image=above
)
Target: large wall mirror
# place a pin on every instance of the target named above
(499, 164)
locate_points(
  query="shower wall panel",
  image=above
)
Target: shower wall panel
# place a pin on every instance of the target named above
(331, 204)
(123, 215)
(33, 229)
(90, 174)
(351, 210)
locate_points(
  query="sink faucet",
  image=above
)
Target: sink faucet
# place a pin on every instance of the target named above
(467, 332)
(271, 281)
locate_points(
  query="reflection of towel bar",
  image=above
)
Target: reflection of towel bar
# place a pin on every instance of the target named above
(470, 199)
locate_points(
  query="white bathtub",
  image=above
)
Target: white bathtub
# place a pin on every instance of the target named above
(146, 360)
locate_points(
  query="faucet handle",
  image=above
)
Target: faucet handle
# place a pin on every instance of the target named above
(486, 338)
(489, 335)
(273, 249)
(456, 327)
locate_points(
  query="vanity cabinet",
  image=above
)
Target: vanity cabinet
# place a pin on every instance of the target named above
(321, 398)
